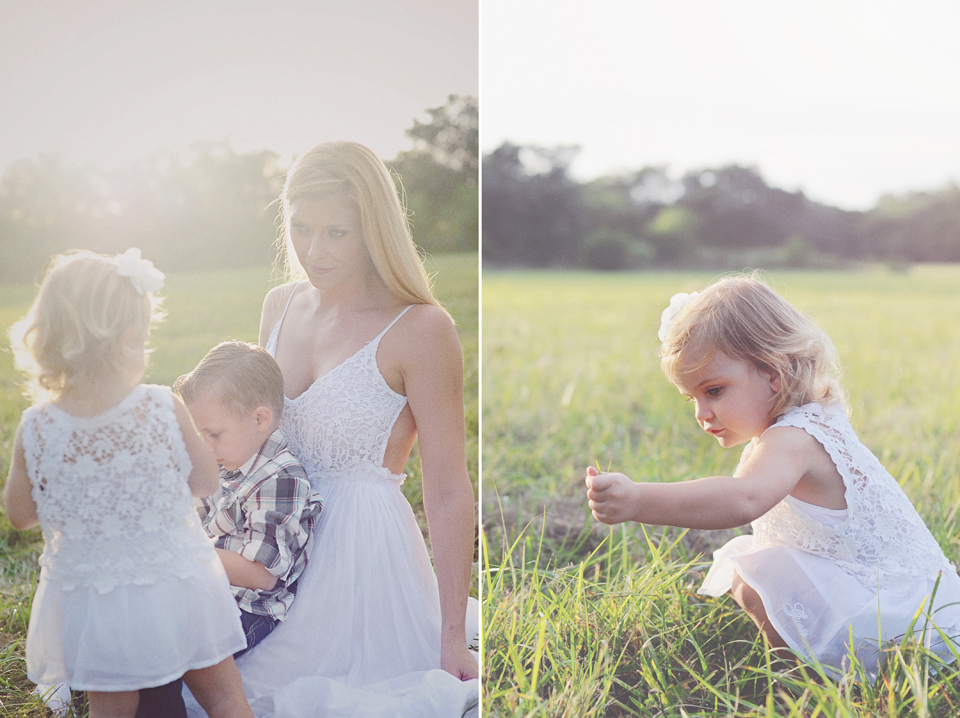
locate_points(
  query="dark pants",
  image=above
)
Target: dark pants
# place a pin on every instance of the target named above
(162, 701)
(255, 628)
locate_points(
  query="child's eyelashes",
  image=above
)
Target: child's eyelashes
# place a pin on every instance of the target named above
(713, 392)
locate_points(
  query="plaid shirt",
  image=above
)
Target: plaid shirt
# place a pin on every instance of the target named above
(265, 511)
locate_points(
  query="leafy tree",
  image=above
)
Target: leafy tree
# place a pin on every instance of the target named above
(533, 212)
(440, 176)
(917, 227)
(210, 207)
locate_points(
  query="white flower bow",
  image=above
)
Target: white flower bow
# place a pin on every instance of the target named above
(145, 277)
(677, 303)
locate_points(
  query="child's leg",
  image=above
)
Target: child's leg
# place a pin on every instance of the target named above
(749, 600)
(113, 705)
(219, 690)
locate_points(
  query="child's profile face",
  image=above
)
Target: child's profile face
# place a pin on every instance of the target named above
(232, 436)
(733, 398)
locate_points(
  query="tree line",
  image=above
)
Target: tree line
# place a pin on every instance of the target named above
(536, 215)
(210, 206)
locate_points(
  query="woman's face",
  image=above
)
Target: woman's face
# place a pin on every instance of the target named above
(328, 239)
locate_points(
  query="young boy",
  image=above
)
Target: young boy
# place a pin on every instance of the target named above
(264, 511)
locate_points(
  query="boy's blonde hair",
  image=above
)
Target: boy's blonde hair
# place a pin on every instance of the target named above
(745, 319)
(353, 171)
(241, 375)
(80, 324)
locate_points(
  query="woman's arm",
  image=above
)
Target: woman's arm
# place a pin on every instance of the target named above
(205, 475)
(21, 508)
(778, 461)
(432, 366)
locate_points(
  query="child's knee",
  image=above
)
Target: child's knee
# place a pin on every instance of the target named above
(746, 597)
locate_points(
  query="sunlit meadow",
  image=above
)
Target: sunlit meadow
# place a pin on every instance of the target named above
(203, 309)
(583, 620)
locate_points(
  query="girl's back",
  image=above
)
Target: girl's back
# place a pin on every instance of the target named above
(131, 595)
(112, 494)
(131, 592)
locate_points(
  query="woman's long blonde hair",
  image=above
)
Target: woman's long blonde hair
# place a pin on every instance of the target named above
(745, 319)
(80, 324)
(352, 170)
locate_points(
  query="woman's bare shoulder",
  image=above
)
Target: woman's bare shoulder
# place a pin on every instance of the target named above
(277, 296)
(273, 305)
(426, 322)
(422, 337)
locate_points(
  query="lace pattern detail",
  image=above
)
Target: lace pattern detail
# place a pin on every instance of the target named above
(339, 426)
(883, 541)
(112, 493)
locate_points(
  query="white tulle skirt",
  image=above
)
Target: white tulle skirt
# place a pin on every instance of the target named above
(363, 635)
(132, 636)
(822, 612)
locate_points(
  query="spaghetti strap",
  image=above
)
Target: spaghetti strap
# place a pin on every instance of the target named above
(274, 335)
(376, 340)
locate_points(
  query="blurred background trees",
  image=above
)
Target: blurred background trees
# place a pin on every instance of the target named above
(210, 206)
(536, 215)
(440, 176)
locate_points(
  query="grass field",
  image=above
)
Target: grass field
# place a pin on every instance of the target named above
(203, 309)
(584, 620)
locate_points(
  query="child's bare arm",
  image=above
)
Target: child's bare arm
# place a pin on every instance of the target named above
(21, 509)
(205, 475)
(776, 464)
(246, 573)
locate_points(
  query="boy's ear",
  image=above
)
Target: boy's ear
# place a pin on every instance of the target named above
(264, 416)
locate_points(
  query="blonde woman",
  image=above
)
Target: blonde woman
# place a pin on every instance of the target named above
(371, 363)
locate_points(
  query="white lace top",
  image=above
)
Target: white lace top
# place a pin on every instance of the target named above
(112, 493)
(340, 425)
(882, 541)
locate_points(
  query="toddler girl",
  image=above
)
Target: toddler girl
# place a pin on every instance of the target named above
(131, 594)
(838, 553)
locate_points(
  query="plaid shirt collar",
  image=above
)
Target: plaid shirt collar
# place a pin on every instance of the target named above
(269, 449)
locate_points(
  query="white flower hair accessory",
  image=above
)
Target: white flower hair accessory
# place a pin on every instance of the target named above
(677, 303)
(145, 277)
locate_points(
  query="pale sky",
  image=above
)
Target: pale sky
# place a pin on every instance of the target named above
(844, 99)
(109, 81)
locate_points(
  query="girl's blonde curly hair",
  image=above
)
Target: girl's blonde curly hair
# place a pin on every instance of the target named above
(79, 324)
(745, 319)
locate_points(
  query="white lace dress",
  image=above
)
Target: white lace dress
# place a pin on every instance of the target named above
(131, 593)
(363, 635)
(824, 573)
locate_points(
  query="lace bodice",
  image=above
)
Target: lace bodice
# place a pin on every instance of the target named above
(340, 425)
(112, 493)
(882, 541)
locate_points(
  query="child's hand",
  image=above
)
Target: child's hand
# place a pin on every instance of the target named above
(612, 498)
